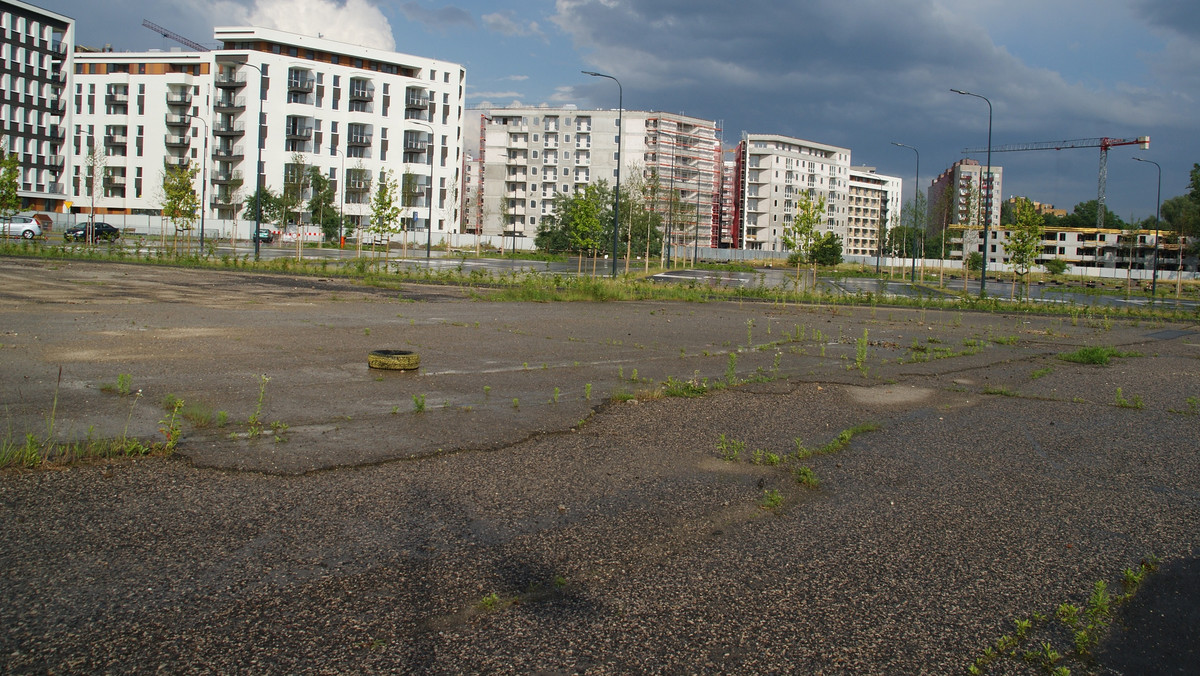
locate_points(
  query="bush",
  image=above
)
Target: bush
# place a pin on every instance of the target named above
(1056, 266)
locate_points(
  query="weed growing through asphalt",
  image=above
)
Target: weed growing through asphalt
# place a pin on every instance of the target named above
(516, 403)
(1193, 407)
(805, 476)
(170, 427)
(1039, 373)
(1098, 355)
(255, 420)
(684, 388)
(838, 443)
(1001, 390)
(749, 332)
(418, 401)
(487, 390)
(121, 387)
(860, 353)
(731, 369)
(554, 397)
(587, 391)
(222, 418)
(1121, 401)
(730, 448)
(771, 499)
(490, 602)
(1066, 636)
(278, 428)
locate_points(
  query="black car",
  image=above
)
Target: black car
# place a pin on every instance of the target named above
(100, 231)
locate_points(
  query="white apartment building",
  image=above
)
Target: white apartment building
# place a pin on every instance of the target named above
(353, 112)
(527, 156)
(35, 64)
(773, 171)
(872, 199)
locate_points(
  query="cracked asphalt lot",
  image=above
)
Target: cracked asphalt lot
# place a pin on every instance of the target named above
(531, 521)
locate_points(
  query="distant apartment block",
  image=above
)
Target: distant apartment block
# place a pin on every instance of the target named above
(1080, 247)
(35, 65)
(872, 208)
(961, 196)
(352, 112)
(528, 156)
(773, 171)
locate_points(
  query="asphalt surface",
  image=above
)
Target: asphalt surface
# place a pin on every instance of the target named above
(527, 522)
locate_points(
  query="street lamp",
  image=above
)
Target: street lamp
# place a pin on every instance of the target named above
(916, 216)
(341, 197)
(258, 163)
(1157, 208)
(987, 202)
(617, 192)
(203, 176)
(429, 225)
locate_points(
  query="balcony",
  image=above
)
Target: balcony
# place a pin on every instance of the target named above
(116, 99)
(301, 84)
(229, 104)
(179, 99)
(178, 120)
(229, 129)
(231, 80)
(358, 140)
(415, 146)
(116, 140)
(175, 161)
(226, 177)
(298, 133)
(114, 181)
(55, 161)
(174, 141)
(358, 185)
(416, 101)
(55, 188)
(362, 93)
(228, 154)
(57, 134)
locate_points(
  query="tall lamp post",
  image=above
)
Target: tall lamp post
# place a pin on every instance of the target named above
(916, 192)
(203, 177)
(1157, 208)
(258, 163)
(620, 136)
(987, 221)
(429, 225)
(341, 197)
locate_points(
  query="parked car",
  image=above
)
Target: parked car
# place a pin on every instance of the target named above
(100, 231)
(24, 227)
(263, 235)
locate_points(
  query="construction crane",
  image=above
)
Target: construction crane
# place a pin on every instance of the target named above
(174, 36)
(1102, 143)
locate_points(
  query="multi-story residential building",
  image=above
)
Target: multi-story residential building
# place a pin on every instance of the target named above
(263, 107)
(528, 156)
(134, 115)
(728, 234)
(960, 195)
(1080, 247)
(35, 64)
(773, 171)
(874, 199)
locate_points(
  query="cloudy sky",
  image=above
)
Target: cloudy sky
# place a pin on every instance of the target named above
(855, 73)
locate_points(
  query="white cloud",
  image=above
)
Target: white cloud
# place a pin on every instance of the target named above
(505, 24)
(516, 78)
(353, 21)
(491, 95)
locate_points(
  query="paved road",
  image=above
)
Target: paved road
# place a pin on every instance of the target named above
(527, 521)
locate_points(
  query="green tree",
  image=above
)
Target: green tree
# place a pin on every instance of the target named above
(95, 164)
(179, 202)
(10, 199)
(385, 211)
(263, 207)
(800, 235)
(578, 222)
(641, 226)
(1025, 241)
(321, 204)
(1084, 216)
(827, 250)
(1194, 184)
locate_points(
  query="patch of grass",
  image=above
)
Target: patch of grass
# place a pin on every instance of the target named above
(771, 499)
(1002, 391)
(684, 388)
(198, 414)
(730, 448)
(838, 443)
(418, 401)
(1098, 355)
(805, 476)
(1040, 373)
(1193, 407)
(1121, 401)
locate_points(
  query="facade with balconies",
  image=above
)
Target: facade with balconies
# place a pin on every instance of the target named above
(774, 171)
(36, 58)
(530, 156)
